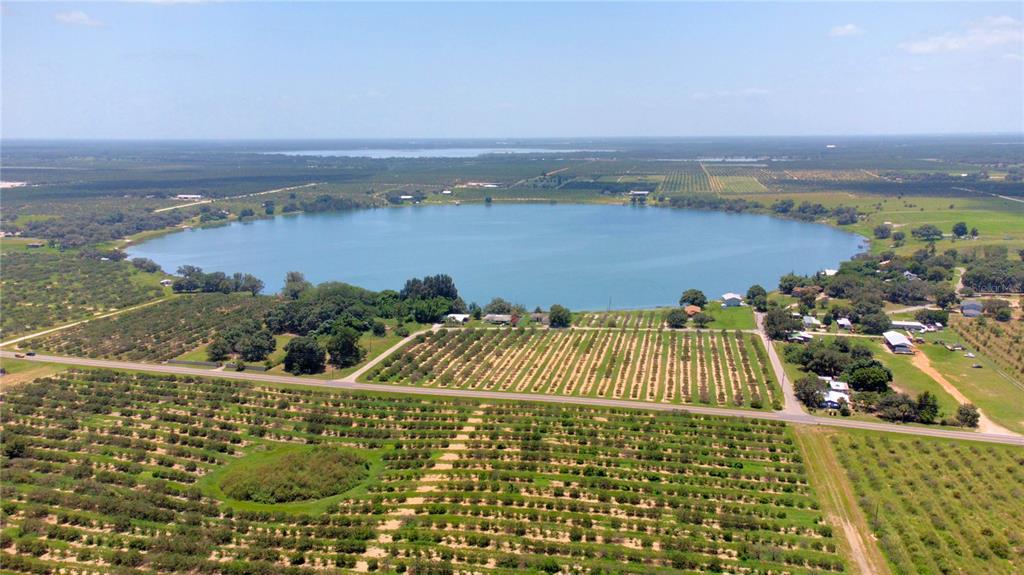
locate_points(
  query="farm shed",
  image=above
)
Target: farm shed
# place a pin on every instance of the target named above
(457, 317)
(971, 308)
(909, 325)
(811, 321)
(844, 323)
(498, 318)
(898, 342)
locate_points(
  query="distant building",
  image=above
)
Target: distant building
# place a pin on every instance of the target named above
(909, 326)
(166, 282)
(457, 317)
(188, 197)
(692, 310)
(446, 192)
(844, 323)
(898, 342)
(971, 308)
(835, 384)
(800, 336)
(909, 275)
(829, 272)
(639, 193)
(35, 245)
(732, 300)
(811, 321)
(498, 318)
(406, 198)
(541, 318)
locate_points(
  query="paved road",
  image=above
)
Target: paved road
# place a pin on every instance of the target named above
(507, 396)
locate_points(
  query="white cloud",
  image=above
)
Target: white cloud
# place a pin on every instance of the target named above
(992, 31)
(845, 30)
(76, 18)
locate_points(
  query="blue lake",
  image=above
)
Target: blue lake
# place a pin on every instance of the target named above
(581, 256)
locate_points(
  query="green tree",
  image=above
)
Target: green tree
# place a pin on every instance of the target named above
(967, 415)
(810, 391)
(945, 296)
(378, 328)
(676, 318)
(779, 323)
(702, 319)
(693, 297)
(218, 350)
(294, 284)
(883, 231)
(303, 355)
(869, 378)
(898, 237)
(960, 229)
(344, 348)
(559, 316)
(875, 323)
(256, 346)
(927, 233)
(927, 407)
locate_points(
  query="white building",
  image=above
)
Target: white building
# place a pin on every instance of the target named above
(909, 325)
(834, 399)
(732, 300)
(499, 318)
(898, 342)
(835, 384)
(811, 321)
(639, 193)
(844, 323)
(188, 197)
(457, 317)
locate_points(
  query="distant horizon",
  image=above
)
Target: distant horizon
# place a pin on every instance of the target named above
(498, 139)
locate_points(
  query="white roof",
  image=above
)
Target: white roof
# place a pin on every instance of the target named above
(844, 321)
(896, 339)
(830, 272)
(905, 324)
(836, 396)
(730, 295)
(811, 320)
(458, 316)
(498, 317)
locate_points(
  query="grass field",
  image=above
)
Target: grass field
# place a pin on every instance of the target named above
(709, 367)
(453, 485)
(939, 506)
(997, 392)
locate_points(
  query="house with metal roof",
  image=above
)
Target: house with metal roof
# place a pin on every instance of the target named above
(898, 342)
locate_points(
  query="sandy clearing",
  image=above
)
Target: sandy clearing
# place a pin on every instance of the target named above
(985, 425)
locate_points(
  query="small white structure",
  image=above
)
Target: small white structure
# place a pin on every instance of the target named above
(834, 399)
(405, 198)
(800, 336)
(188, 197)
(844, 323)
(909, 275)
(457, 317)
(835, 384)
(639, 193)
(166, 282)
(898, 342)
(732, 300)
(811, 321)
(446, 192)
(499, 318)
(909, 326)
(829, 272)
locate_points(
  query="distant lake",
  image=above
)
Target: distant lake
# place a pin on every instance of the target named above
(581, 256)
(383, 153)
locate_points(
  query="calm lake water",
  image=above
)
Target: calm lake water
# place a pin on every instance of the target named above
(581, 256)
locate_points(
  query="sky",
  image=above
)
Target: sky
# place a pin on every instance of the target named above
(192, 69)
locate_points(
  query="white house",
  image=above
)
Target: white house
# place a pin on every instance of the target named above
(166, 282)
(457, 317)
(188, 197)
(834, 399)
(811, 321)
(639, 193)
(406, 198)
(732, 300)
(829, 272)
(446, 192)
(909, 326)
(844, 323)
(898, 342)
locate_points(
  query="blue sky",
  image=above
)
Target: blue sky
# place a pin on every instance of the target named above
(319, 70)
